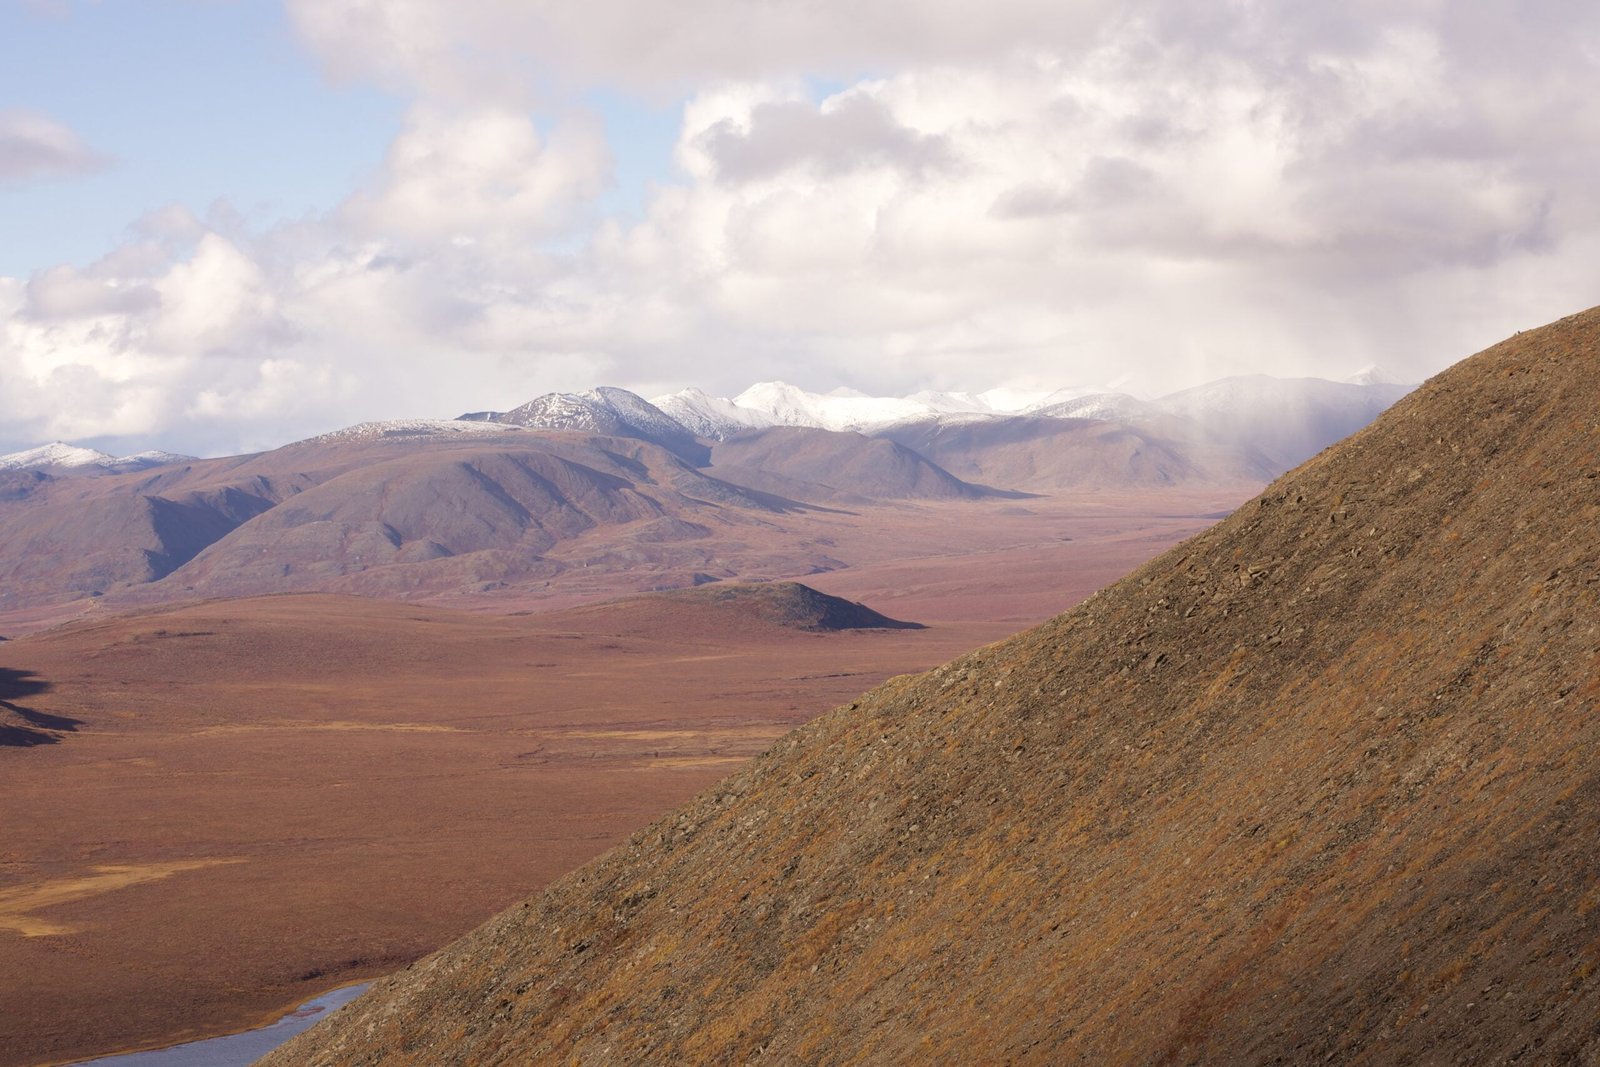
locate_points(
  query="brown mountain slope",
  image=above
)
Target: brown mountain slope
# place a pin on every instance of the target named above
(1040, 454)
(483, 512)
(67, 538)
(1316, 785)
(828, 465)
(64, 539)
(380, 514)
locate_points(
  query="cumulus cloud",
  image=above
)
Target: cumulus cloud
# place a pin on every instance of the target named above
(34, 146)
(465, 175)
(1051, 194)
(852, 132)
(64, 292)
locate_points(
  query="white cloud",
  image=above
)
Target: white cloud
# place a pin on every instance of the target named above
(219, 301)
(64, 292)
(35, 147)
(479, 175)
(851, 132)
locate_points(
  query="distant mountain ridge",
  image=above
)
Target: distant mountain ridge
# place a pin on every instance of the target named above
(1284, 420)
(60, 456)
(567, 487)
(603, 410)
(1237, 410)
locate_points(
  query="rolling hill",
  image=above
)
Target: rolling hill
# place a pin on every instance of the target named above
(1043, 454)
(1313, 786)
(834, 466)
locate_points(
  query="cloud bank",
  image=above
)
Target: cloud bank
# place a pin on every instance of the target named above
(1151, 196)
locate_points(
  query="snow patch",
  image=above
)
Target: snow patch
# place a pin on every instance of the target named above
(54, 454)
(401, 428)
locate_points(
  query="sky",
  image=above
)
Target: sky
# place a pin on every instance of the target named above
(230, 224)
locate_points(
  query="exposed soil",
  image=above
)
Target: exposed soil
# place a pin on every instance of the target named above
(1315, 786)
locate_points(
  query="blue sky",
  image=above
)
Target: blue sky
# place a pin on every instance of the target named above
(196, 103)
(192, 103)
(225, 224)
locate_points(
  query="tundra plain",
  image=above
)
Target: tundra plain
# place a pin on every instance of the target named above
(240, 803)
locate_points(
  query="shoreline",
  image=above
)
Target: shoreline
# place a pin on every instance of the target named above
(264, 1021)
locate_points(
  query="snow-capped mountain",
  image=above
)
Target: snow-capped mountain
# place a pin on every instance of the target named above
(787, 405)
(1282, 416)
(407, 428)
(60, 456)
(1285, 419)
(1112, 407)
(603, 410)
(1281, 421)
(714, 417)
(781, 404)
(54, 454)
(151, 457)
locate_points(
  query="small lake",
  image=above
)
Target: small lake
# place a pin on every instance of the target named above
(236, 1050)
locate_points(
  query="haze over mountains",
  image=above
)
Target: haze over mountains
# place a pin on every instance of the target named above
(552, 496)
(1287, 419)
(1314, 786)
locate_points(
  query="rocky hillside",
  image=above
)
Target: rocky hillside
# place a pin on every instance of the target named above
(1316, 785)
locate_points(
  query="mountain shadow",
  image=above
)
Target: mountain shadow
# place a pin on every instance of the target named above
(35, 727)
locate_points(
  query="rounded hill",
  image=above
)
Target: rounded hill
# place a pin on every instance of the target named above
(791, 605)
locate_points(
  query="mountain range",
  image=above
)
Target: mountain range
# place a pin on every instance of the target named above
(604, 491)
(1285, 419)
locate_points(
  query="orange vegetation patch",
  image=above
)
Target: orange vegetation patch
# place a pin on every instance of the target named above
(17, 903)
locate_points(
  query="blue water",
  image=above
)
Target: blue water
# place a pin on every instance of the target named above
(236, 1050)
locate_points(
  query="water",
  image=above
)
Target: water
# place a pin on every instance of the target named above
(236, 1050)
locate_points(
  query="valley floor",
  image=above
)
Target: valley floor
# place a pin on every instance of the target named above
(249, 801)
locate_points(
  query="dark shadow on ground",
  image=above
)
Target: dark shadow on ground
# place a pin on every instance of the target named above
(34, 727)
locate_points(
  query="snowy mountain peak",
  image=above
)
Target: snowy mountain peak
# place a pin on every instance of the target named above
(54, 454)
(409, 428)
(714, 417)
(604, 410)
(1210, 409)
(1371, 374)
(788, 405)
(141, 461)
(60, 456)
(1110, 407)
